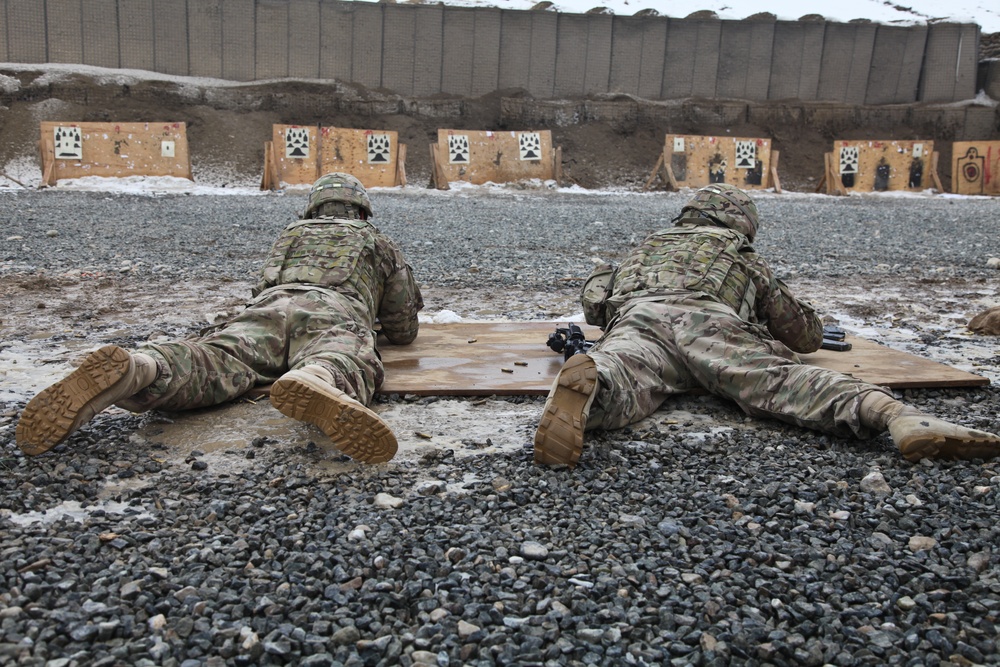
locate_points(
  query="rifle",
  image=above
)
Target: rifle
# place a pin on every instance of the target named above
(833, 339)
(569, 340)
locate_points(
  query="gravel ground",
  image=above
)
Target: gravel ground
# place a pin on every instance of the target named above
(695, 537)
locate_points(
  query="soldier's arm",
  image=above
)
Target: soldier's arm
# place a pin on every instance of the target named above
(791, 321)
(401, 298)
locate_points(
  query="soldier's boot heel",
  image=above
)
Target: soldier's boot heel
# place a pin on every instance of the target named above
(105, 377)
(921, 436)
(354, 429)
(559, 438)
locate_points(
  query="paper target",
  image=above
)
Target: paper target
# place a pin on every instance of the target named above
(68, 143)
(297, 142)
(458, 149)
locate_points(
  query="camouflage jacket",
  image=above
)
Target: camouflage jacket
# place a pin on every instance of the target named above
(720, 264)
(353, 258)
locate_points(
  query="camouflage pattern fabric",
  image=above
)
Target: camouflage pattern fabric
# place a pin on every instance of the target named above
(337, 187)
(658, 348)
(689, 258)
(716, 263)
(725, 205)
(321, 290)
(698, 308)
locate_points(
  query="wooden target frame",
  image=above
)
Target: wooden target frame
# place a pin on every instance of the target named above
(299, 154)
(694, 161)
(482, 156)
(975, 167)
(113, 150)
(870, 165)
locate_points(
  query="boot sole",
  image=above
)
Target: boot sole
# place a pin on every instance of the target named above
(354, 430)
(559, 438)
(936, 446)
(48, 418)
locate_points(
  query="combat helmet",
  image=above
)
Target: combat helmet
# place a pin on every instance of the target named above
(728, 206)
(338, 187)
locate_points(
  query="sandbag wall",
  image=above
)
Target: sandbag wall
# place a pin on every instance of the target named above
(424, 50)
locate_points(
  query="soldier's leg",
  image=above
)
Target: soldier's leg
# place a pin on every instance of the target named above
(324, 331)
(732, 360)
(334, 371)
(920, 436)
(624, 377)
(220, 366)
(740, 361)
(105, 377)
(638, 366)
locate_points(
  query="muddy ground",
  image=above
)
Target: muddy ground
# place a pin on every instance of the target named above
(60, 318)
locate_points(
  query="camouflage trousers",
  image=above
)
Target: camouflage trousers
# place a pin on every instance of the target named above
(656, 349)
(284, 330)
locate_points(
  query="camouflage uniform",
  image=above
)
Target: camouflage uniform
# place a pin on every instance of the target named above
(322, 287)
(694, 306)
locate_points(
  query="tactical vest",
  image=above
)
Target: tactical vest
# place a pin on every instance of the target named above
(706, 260)
(327, 252)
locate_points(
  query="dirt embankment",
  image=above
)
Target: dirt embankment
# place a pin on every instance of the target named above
(228, 124)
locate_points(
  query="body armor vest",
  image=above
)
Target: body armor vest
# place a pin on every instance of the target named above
(333, 253)
(706, 260)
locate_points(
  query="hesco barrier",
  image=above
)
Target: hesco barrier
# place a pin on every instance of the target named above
(298, 155)
(494, 157)
(74, 150)
(975, 167)
(878, 166)
(423, 50)
(695, 161)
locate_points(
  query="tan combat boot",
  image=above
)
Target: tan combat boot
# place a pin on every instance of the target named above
(559, 438)
(105, 377)
(308, 394)
(920, 436)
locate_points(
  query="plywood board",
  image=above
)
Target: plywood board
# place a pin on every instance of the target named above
(975, 167)
(878, 166)
(368, 155)
(696, 161)
(494, 157)
(511, 358)
(296, 154)
(114, 150)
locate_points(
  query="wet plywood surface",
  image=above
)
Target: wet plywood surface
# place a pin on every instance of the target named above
(511, 358)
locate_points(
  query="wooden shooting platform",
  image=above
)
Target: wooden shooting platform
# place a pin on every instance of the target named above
(512, 359)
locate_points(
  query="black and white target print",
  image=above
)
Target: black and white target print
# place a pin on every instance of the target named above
(849, 159)
(68, 142)
(297, 142)
(378, 149)
(530, 145)
(458, 149)
(746, 154)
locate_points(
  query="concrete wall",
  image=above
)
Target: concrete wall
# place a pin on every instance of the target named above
(424, 50)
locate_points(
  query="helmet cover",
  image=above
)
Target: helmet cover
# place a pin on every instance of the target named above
(727, 205)
(338, 187)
